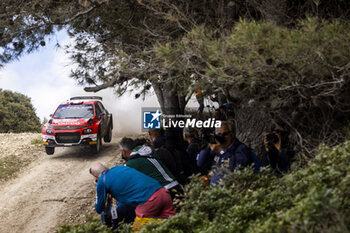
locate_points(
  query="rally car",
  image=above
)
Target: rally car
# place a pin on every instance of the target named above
(82, 120)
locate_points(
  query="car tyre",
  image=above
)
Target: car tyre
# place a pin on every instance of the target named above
(49, 150)
(108, 137)
(97, 147)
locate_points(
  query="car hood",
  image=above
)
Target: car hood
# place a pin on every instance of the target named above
(70, 122)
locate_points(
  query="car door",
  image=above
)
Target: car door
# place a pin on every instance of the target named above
(103, 118)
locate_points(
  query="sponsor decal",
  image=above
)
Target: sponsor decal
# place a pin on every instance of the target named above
(79, 106)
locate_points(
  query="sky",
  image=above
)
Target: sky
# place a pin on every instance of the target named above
(44, 77)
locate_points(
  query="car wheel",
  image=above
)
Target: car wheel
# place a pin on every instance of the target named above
(49, 150)
(97, 147)
(108, 137)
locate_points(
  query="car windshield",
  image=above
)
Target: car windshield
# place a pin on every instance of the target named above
(74, 111)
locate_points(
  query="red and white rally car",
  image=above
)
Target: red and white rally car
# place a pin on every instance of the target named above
(82, 120)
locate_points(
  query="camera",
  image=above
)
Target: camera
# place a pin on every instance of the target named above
(272, 138)
(212, 138)
(209, 136)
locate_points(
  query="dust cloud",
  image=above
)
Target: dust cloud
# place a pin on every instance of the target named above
(126, 110)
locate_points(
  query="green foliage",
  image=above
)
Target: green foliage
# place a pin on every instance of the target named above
(278, 67)
(8, 166)
(37, 141)
(314, 199)
(178, 46)
(93, 225)
(310, 199)
(17, 113)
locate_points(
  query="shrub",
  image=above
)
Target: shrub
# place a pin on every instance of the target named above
(310, 199)
(313, 199)
(17, 113)
(93, 225)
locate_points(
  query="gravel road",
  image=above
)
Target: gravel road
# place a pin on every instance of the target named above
(51, 190)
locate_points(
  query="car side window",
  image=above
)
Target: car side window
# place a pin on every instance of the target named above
(98, 110)
(101, 106)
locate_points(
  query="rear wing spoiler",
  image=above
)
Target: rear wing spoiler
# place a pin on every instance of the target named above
(86, 98)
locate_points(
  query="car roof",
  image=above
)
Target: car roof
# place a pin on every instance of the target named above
(77, 102)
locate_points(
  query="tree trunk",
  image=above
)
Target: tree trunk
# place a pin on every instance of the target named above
(251, 124)
(168, 98)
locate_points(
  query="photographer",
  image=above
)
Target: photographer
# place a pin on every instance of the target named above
(205, 157)
(132, 188)
(193, 148)
(116, 212)
(230, 152)
(277, 153)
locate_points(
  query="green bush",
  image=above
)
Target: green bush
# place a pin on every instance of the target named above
(311, 199)
(17, 113)
(8, 166)
(92, 226)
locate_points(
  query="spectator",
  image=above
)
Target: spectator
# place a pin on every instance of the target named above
(205, 160)
(158, 142)
(143, 159)
(177, 146)
(178, 163)
(116, 213)
(277, 152)
(133, 188)
(205, 157)
(193, 148)
(218, 97)
(225, 112)
(229, 150)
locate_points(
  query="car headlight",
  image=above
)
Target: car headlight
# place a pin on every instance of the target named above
(49, 131)
(87, 131)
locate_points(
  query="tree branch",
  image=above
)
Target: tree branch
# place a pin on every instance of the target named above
(77, 15)
(97, 88)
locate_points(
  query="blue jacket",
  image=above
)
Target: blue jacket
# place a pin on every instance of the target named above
(237, 154)
(193, 150)
(205, 160)
(126, 185)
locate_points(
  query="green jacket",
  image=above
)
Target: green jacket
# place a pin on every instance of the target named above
(145, 160)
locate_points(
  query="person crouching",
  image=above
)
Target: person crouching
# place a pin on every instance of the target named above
(133, 188)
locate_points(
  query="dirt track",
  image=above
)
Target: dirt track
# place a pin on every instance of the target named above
(52, 190)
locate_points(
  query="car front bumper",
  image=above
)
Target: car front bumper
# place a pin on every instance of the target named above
(53, 141)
